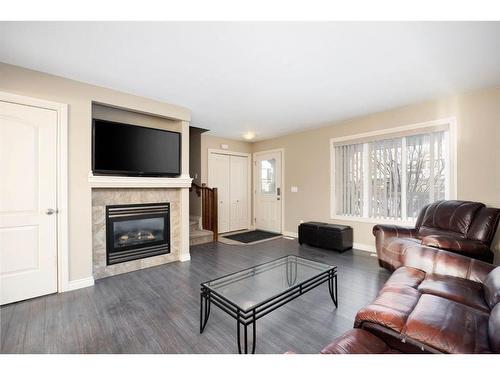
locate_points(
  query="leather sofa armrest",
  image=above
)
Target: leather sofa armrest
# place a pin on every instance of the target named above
(435, 261)
(357, 341)
(383, 234)
(455, 244)
(388, 231)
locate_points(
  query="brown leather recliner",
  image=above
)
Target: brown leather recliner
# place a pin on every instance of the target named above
(436, 302)
(461, 227)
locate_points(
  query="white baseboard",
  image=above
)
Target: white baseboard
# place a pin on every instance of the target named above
(80, 283)
(184, 257)
(360, 246)
(291, 234)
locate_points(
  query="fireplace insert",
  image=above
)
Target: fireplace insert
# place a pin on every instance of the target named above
(137, 231)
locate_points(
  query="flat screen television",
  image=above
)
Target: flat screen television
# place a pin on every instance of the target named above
(131, 150)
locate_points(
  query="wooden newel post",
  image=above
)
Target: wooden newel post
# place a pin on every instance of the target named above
(215, 216)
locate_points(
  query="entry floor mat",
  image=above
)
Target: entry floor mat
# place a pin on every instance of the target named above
(252, 236)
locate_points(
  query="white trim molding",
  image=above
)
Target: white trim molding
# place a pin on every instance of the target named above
(290, 234)
(80, 283)
(97, 181)
(363, 247)
(449, 123)
(61, 109)
(355, 245)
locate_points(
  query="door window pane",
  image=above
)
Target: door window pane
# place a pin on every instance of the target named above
(268, 176)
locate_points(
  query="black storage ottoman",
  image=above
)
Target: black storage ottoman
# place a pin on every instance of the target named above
(326, 236)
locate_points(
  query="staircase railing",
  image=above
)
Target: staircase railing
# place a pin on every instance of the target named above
(209, 214)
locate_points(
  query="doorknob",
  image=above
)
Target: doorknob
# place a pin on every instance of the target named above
(50, 211)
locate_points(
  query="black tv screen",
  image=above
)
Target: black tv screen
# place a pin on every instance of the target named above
(123, 149)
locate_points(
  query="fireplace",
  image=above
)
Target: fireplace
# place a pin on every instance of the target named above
(137, 231)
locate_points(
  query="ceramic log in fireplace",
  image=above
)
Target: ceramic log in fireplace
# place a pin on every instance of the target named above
(137, 231)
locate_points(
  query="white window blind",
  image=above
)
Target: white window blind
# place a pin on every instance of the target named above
(349, 180)
(391, 178)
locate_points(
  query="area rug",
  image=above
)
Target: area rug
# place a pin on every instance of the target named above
(252, 236)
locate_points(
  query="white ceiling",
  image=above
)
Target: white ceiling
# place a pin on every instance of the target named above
(270, 78)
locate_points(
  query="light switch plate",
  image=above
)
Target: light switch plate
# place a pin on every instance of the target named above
(294, 189)
(224, 146)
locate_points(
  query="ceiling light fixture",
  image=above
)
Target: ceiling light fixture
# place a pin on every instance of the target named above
(249, 136)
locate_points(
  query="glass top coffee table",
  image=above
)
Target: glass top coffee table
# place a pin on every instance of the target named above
(250, 294)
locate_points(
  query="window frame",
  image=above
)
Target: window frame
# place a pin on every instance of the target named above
(399, 131)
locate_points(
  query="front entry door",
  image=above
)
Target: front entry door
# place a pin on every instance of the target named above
(268, 191)
(28, 197)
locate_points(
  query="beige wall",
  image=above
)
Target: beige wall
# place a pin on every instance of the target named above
(102, 112)
(79, 97)
(307, 159)
(307, 155)
(210, 142)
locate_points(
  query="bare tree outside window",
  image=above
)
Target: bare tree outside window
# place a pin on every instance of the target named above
(385, 176)
(388, 171)
(426, 180)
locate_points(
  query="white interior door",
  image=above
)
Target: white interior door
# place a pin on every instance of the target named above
(267, 177)
(239, 192)
(28, 189)
(219, 177)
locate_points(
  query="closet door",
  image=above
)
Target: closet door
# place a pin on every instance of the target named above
(28, 202)
(219, 177)
(239, 192)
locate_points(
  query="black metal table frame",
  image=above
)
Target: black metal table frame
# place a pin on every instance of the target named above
(249, 317)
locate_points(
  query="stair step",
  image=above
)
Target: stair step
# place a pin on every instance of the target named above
(200, 236)
(194, 225)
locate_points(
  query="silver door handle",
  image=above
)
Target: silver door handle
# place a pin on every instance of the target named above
(50, 211)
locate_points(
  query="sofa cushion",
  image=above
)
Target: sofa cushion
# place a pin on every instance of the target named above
(390, 309)
(463, 246)
(358, 341)
(448, 326)
(406, 276)
(492, 288)
(460, 290)
(431, 231)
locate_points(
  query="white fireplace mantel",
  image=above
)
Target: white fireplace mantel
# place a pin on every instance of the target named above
(180, 182)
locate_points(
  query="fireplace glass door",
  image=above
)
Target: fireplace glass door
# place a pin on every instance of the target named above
(137, 231)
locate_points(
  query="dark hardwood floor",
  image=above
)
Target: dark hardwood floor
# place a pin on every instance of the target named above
(156, 310)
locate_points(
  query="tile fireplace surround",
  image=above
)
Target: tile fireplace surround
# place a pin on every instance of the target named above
(101, 197)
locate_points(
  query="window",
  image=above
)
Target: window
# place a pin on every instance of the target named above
(391, 175)
(268, 176)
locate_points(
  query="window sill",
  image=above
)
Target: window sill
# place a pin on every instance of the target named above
(374, 220)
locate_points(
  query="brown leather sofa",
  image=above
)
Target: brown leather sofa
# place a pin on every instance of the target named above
(462, 227)
(435, 302)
